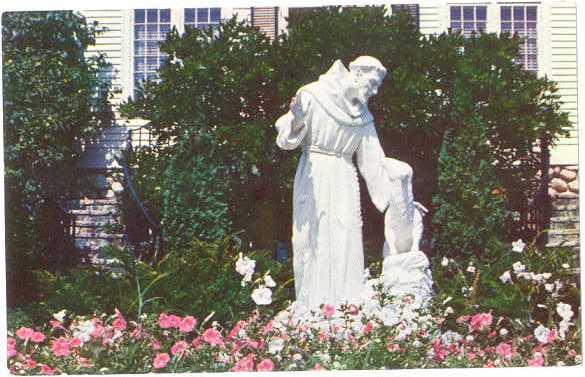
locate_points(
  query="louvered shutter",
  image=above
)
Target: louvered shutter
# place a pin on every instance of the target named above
(266, 20)
(412, 9)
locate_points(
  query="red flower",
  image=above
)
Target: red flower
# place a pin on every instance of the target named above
(74, 342)
(187, 324)
(439, 353)
(161, 360)
(368, 328)
(265, 365)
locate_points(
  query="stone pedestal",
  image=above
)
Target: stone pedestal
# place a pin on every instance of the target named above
(564, 193)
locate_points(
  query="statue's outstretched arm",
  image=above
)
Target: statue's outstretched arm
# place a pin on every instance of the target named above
(291, 126)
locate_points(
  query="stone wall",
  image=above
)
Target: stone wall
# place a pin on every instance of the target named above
(564, 192)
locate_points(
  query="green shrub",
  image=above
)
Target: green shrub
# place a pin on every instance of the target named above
(54, 99)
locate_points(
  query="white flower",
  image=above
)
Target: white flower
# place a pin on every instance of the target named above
(83, 330)
(471, 269)
(469, 338)
(269, 281)
(449, 310)
(447, 300)
(60, 316)
(518, 267)
(564, 310)
(276, 345)
(518, 246)
(541, 334)
(450, 337)
(388, 316)
(245, 266)
(565, 265)
(297, 357)
(506, 277)
(262, 296)
(549, 287)
(503, 331)
(444, 262)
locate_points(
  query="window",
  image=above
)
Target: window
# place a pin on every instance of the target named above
(521, 20)
(202, 18)
(150, 28)
(412, 9)
(470, 19)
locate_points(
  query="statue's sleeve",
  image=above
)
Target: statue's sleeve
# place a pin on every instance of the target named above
(292, 126)
(386, 183)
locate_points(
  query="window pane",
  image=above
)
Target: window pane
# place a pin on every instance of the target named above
(152, 47)
(202, 14)
(481, 26)
(518, 13)
(139, 16)
(190, 15)
(468, 26)
(151, 31)
(152, 15)
(455, 26)
(152, 63)
(215, 14)
(456, 13)
(139, 48)
(531, 46)
(164, 30)
(481, 13)
(531, 13)
(506, 27)
(139, 32)
(139, 64)
(506, 13)
(165, 15)
(468, 13)
(519, 28)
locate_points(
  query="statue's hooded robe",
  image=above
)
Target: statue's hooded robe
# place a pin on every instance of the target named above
(327, 226)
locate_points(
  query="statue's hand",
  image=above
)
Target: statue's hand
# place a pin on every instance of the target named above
(295, 108)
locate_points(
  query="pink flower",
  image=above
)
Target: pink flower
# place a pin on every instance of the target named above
(368, 328)
(572, 353)
(11, 347)
(317, 367)
(55, 324)
(175, 321)
(197, 343)
(164, 321)
(60, 347)
(155, 345)
(328, 310)
(439, 353)
(84, 362)
(98, 330)
(179, 348)
(24, 333)
(267, 328)
(552, 336)
(235, 330)
(45, 369)
(504, 350)
(462, 319)
(31, 363)
(187, 324)
(537, 361)
(74, 342)
(119, 323)
(213, 337)
(252, 344)
(471, 356)
(265, 365)
(352, 309)
(480, 321)
(161, 360)
(245, 364)
(37, 337)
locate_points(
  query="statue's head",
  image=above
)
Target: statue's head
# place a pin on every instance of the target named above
(367, 74)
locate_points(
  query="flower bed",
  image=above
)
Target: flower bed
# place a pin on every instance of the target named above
(384, 332)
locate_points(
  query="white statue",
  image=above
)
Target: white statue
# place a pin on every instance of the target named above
(405, 269)
(330, 120)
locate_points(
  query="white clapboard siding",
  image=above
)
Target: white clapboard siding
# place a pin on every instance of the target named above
(563, 69)
(109, 43)
(430, 19)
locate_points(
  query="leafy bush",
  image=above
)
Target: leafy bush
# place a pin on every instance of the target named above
(54, 99)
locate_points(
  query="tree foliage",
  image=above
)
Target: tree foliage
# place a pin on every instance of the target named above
(54, 98)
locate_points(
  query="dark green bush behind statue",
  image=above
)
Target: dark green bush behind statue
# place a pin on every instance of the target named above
(54, 98)
(232, 87)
